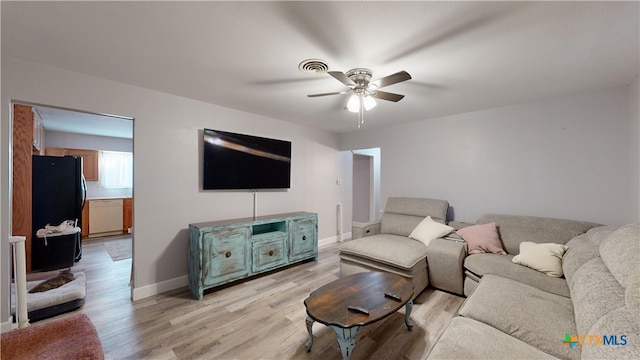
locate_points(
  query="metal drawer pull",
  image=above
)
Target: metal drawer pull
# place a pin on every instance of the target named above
(227, 254)
(304, 237)
(271, 253)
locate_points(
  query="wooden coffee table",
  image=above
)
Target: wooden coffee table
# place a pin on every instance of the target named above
(330, 304)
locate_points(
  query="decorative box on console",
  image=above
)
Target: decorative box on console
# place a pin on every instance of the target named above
(224, 251)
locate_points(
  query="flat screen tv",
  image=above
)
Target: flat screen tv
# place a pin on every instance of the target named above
(236, 161)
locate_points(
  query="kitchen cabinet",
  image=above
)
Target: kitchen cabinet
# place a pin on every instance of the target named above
(127, 215)
(85, 220)
(89, 160)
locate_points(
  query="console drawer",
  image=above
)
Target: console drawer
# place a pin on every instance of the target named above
(269, 253)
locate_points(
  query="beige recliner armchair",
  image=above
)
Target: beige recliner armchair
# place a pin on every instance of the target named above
(385, 246)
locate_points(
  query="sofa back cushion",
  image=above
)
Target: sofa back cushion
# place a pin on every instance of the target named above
(621, 326)
(583, 248)
(402, 214)
(594, 293)
(605, 290)
(580, 250)
(620, 251)
(515, 229)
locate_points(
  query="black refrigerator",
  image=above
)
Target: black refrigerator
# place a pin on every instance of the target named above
(58, 194)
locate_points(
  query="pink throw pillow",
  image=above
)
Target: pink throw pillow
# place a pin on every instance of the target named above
(482, 239)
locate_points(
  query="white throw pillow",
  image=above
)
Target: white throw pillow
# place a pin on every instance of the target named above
(546, 257)
(428, 230)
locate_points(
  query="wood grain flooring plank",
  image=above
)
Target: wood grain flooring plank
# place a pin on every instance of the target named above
(260, 318)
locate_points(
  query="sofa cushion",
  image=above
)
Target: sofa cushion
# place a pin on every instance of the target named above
(594, 292)
(546, 258)
(516, 229)
(399, 224)
(616, 324)
(502, 265)
(428, 230)
(384, 249)
(580, 250)
(599, 233)
(420, 207)
(482, 238)
(620, 251)
(401, 214)
(632, 294)
(536, 317)
(465, 338)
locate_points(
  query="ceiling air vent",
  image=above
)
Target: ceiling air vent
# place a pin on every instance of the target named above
(313, 66)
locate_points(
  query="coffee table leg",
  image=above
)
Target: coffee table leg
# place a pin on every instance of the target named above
(309, 343)
(346, 339)
(407, 312)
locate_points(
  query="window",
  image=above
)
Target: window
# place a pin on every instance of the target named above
(115, 170)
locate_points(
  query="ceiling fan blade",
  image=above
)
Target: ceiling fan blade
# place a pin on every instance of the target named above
(331, 93)
(383, 95)
(391, 79)
(340, 76)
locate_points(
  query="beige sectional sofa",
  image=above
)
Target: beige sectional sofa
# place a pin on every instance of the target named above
(593, 312)
(513, 311)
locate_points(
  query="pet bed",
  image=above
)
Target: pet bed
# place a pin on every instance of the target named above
(52, 302)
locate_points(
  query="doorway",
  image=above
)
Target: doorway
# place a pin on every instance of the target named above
(46, 130)
(366, 186)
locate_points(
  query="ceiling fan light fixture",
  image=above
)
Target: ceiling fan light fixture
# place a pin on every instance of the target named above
(369, 102)
(363, 91)
(353, 105)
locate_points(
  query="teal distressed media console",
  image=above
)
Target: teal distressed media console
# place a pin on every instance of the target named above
(228, 250)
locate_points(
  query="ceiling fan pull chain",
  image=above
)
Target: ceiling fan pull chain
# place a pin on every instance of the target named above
(361, 112)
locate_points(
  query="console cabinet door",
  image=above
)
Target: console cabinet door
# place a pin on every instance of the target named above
(304, 239)
(226, 255)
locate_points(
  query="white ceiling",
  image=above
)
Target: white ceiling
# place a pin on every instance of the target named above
(463, 56)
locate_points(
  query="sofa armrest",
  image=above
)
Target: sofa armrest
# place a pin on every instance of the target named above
(445, 258)
(359, 232)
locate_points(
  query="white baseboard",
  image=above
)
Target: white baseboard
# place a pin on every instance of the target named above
(7, 326)
(334, 239)
(183, 281)
(157, 288)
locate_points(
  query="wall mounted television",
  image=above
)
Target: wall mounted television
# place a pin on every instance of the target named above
(237, 161)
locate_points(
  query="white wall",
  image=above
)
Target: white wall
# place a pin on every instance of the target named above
(634, 148)
(167, 156)
(565, 157)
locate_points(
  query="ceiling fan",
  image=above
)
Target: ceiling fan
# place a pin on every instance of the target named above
(364, 91)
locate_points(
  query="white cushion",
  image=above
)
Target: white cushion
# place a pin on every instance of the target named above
(428, 230)
(546, 257)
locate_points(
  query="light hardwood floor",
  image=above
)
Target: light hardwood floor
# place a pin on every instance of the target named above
(263, 318)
